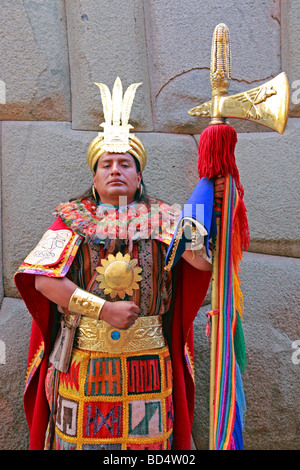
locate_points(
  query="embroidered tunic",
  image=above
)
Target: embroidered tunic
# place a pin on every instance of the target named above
(112, 400)
(107, 400)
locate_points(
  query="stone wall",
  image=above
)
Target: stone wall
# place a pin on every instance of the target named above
(52, 52)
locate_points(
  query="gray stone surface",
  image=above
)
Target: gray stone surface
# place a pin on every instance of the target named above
(171, 171)
(269, 169)
(290, 37)
(268, 164)
(52, 52)
(1, 261)
(106, 40)
(271, 382)
(49, 166)
(34, 55)
(180, 80)
(15, 327)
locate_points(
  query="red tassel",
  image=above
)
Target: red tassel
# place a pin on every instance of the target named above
(244, 227)
(216, 158)
(216, 153)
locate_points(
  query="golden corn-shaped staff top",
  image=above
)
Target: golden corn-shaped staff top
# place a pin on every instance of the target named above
(220, 70)
(267, 104)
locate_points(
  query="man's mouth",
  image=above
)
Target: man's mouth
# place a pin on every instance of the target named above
(116, 182)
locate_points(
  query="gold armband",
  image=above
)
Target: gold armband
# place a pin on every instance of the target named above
(86, 304)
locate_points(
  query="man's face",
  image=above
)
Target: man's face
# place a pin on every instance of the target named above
(116, 176)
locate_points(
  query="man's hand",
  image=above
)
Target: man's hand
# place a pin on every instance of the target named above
(121, 314)
(219, 187)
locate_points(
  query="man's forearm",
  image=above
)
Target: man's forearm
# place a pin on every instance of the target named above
(58, 290)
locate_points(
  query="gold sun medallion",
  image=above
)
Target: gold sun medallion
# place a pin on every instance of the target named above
(119, 275)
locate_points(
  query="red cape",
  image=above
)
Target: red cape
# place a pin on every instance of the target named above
(191, 289)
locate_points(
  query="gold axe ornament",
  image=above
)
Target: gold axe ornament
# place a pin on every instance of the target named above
(267, 105)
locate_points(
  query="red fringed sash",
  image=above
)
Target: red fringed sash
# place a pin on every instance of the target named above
(217, 158)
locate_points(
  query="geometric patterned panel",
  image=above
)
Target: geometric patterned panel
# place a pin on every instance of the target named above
(104, 377)
(145, 418)
(102, 421)
(143, 374)
(116, 402)
(66, 418)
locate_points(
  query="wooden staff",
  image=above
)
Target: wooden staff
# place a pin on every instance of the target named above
(267, 105)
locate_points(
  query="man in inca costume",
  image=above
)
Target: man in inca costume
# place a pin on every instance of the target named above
(111, 351)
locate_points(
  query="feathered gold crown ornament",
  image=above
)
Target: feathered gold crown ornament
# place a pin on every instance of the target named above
(116, 136)
(116, 111)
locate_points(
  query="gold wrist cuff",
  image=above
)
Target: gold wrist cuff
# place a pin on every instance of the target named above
(86, 304)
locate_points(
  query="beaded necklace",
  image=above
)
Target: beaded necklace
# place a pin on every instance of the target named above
(99, 223)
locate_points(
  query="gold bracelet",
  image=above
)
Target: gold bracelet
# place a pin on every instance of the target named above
(86, 304)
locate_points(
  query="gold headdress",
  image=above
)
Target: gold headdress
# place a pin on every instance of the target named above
(116, 137)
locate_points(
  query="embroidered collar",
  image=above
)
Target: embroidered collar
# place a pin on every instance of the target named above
(130, 223)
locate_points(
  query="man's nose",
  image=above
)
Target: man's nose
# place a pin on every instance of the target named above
(115, 168)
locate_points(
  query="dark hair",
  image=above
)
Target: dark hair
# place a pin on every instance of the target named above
(140, 196)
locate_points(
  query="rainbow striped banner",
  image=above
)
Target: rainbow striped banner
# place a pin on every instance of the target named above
(229, 404)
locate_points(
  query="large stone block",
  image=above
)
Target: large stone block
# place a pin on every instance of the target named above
(1, 261)
(106, 40)
(171, 172)
(271, 381)
(15, 327)
(290, 37)
(35, 72)
(48, 166)
(268, 164)
(180, 79)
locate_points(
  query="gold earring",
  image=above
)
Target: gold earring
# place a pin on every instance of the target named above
(94, 192)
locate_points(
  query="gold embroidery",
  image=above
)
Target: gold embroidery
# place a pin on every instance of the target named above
(35, 361)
